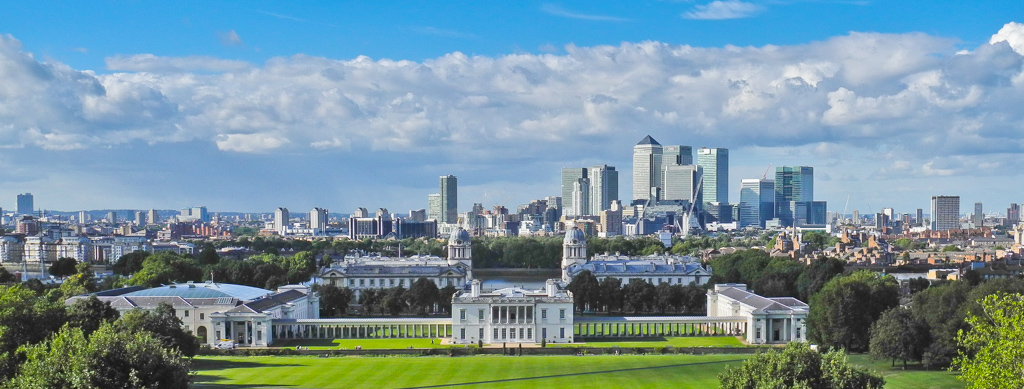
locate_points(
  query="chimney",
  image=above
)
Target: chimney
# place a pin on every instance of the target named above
(552, 287)
(474, 289)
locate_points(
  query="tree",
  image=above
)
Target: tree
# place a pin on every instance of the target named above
(800, 367)
(6, 277)
(897, 334)
(209, 255)
(333, 300)
(111, 358)
(25, 318)
(422, 295)
(918, 284)
(585, 290)
(841, 313)
(445, 298)
(90, 313)
(393, 300)
(815, 275)
(63, 267)
(611, 293)
(994, 355)
(638, 295)
(130, 263)
(164, 325)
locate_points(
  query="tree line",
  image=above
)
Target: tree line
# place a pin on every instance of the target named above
(421, 298)
(637, 296)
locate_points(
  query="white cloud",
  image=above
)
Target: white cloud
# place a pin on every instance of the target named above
(333, 143)
(249, 143)
(557, 10)
(721, 10)
(152, 63)
(230, 38)
(1011, 33)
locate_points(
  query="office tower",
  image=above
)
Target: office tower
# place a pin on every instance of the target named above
(792, 185)
(757, 202)
(449, 199)
(945, 213)
(611, 219)
(433, 207)
(554, 202)
(25, 204)
(646, 168)
(570, 177)
(715, 162)
(318, 221)
(881, 220)
(478, 209)
(581, 197)
(979, 216)
(361, 212)
(192, 214)
(604, 187)
(140, 218)
(281, 220)
(856, 217)
(817, 212)
(676, 155)
(418, 215)
(112, 217)
(681, 182)
(82, 217)
(920, 217)
(1013, 214)
(152, 217)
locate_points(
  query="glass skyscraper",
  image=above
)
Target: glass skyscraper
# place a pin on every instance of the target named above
(715, 162)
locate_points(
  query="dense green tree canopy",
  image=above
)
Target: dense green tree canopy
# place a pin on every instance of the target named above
(898, 335)
(841, 313)
(797, 366)
(994, 357)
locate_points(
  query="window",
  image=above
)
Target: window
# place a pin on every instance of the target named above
(520, 333)
(504, 333)
(544, 333)
(495, 333)
(202, 316)
(561, 332)
(757, 335)
(543, 313)
(679, 281)
(481, 333)
(529, 333)
(186, 313)
(362, 282)
(462, 333)
(529, 314)
(462, 314)
(561, 314)
(352, 282)
(372, 281)
(513, 334)
(494, 314)
(480, 314)
(259, 335)
(391, 282)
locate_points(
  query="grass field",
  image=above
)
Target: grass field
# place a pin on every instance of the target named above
(603, 371)
(686, 341)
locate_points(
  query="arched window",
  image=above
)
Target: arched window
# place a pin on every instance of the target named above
(201, 334)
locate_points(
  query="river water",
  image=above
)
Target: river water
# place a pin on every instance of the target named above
(525, 282)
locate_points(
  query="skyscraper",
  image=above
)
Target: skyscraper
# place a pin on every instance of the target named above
(680, 182)
(920, 217)
(318, 221)
(1013, 214)
(945, 213)
(581, 197)
(152, 218)
(82, 217)
(604, 187)
(647, 157)
(715, 162)
(793, 185)
(676, 155)
(140, 218)
(25, 204)
(979, 216)
(281, 220)
(757, 202)
(433, 207)
(570, 177)
(449, 199)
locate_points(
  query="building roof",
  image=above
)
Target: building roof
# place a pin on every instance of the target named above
(399, 270)
(205, 290)
(639, 268)
(763, 304)
(647, 140)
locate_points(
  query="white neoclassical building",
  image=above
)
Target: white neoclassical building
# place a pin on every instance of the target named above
(769, 319)
(360, 273)
(512, 315)
(655, 269)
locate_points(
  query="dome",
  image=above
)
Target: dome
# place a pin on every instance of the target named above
(574, 236)
(204, 290)
(461, 236)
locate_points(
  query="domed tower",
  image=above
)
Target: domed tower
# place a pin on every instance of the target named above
(574, 250)
(460, 250)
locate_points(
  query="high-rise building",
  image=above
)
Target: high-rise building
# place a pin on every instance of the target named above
(1013, 214)
(856, 217)
(111, 217)
(449, 199)
(570, 177)
(715, 162)
(757, 202)
(433, 207)
(920, 217)
(581, 197)
(194, 213)
(604, 187)
(979, 216)
(140, 218)
(676, 155)
(793, 184)
(418, 215)
(318, 221)
(82, 217)
(945, 213)
(152, 217)
(26, 204)
(361, 212)
(611, 219)
(681, 182)
(647, 157)
(281, 220)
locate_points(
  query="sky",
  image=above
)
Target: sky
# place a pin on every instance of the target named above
(251, 105)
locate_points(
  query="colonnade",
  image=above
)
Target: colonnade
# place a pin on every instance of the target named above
(660, 326)
(328, 330)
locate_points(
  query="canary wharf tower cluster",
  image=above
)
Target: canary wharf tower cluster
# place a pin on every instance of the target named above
(674, 192)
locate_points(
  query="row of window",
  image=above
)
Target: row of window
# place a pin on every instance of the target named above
(375, 282)
(510, 314)
(202, 316)
(511, 333)
(651, 280)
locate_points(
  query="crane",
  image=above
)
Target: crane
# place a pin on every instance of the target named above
(765, 175)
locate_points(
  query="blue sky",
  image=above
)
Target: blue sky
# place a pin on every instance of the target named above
(247, 106)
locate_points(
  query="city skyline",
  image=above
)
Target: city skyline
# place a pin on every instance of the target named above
(202, 106)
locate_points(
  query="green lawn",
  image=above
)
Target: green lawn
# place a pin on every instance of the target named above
(366, 344)
(685, 341)
(601, 371)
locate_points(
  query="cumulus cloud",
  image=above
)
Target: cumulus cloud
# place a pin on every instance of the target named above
(249, 143)
(152, 63)
(1013, 34)
(721, 10)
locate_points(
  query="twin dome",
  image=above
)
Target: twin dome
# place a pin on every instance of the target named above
(574, 236)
